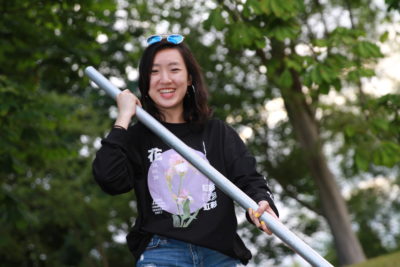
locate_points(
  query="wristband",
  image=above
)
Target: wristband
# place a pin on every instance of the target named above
(116, 126)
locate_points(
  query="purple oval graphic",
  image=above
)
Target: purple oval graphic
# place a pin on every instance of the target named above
(176, 186)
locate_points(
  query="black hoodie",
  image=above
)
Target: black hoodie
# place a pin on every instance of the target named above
(173, 198)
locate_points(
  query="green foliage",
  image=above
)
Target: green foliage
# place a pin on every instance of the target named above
(393, 4)
(242, 36)
(215, 19)
(52, 213)
(368, 204)
(307, 57)
(275, 7)
(282, 30)
(370, 140)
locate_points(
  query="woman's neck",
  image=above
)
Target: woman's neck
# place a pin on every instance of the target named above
(173, 117)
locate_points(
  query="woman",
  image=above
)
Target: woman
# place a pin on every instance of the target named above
(183, 219)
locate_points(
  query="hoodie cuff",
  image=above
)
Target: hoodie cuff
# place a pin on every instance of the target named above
(117, 136)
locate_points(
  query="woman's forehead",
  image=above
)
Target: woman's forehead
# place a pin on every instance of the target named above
(169, 56)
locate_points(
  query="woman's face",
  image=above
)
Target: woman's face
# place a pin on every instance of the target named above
(169, 80)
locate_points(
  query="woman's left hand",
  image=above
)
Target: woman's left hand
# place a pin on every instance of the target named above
(263, 206)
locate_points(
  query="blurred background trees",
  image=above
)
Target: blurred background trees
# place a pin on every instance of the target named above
(330, 147)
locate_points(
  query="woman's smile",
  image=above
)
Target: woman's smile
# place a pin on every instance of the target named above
(167, 93)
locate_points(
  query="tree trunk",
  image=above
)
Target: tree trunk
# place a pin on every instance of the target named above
(334, 208)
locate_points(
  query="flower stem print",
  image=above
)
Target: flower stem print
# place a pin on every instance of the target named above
(184, 217)
(186, 212)
(184, 220)
(179, 167)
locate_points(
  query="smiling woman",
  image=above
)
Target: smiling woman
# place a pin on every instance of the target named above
(172, 68)
(183, 218)
(169, 81)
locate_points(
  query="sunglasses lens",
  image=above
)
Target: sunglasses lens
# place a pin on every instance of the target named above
(175, 38)
(154, 39)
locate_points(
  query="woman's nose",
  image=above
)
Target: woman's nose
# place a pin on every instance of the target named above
(165, 78)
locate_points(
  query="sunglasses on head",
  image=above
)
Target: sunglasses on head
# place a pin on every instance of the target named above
(172, 38)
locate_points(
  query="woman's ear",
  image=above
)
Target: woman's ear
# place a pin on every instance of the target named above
(190, 80)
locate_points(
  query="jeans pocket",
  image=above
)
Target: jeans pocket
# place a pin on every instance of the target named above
(156, 241)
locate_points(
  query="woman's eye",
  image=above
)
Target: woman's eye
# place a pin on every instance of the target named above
(175, 69)
(154, 71)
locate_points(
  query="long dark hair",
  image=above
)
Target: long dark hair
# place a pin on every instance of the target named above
(195, 103)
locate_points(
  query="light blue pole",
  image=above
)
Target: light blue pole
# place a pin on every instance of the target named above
(221, 181)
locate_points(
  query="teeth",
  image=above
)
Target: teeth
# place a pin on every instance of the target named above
(165, 91)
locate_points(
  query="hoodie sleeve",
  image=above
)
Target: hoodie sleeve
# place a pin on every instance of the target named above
(113, 167)
(241, 167)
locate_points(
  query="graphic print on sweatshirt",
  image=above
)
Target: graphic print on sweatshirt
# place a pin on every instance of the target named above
(178, 188)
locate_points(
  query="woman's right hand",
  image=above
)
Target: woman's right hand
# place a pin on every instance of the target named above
(126, 102)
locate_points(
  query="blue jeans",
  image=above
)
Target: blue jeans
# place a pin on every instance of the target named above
(167, 252)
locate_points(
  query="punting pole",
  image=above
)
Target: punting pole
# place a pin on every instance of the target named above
(220, 181)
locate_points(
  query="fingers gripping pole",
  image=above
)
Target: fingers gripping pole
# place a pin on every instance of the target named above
(221, 181)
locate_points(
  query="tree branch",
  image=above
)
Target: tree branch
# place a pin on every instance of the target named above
(362, 98)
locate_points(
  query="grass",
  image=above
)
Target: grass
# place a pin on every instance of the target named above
(390, 260)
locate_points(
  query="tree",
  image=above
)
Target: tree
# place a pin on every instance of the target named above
(52, 213)
(338, 56)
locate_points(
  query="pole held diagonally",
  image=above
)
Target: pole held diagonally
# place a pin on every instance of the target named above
(220, 181)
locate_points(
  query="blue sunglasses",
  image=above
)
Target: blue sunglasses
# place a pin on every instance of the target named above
(172, 38)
